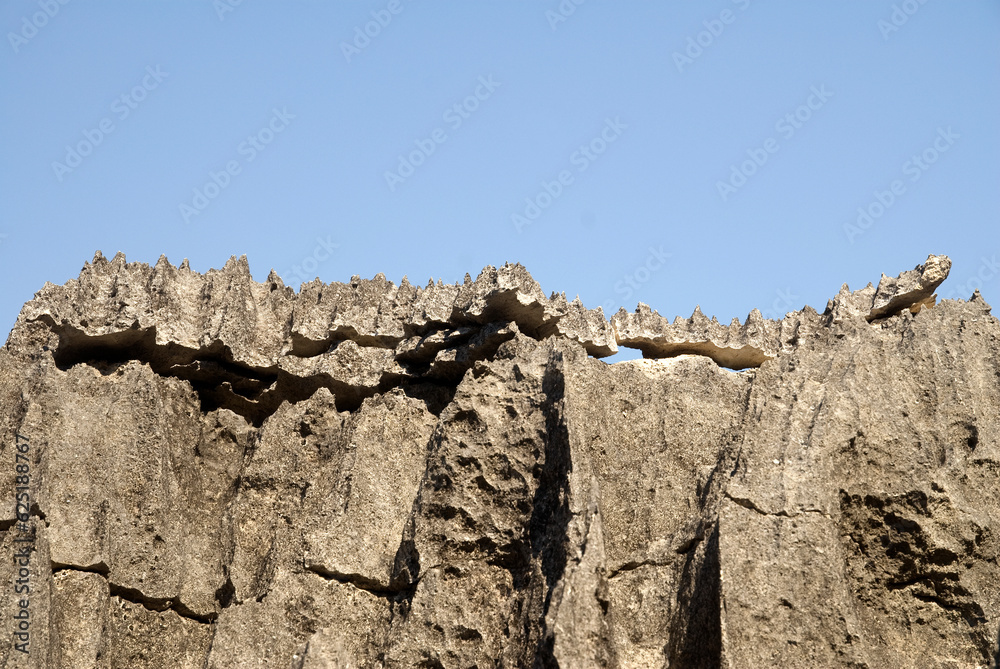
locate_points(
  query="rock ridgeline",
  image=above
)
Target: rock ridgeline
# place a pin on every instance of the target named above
(749, 344)
(207, 471)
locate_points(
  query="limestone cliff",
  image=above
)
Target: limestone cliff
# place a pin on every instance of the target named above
(206, 471)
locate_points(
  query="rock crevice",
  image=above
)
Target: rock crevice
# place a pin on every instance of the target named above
(229, 473)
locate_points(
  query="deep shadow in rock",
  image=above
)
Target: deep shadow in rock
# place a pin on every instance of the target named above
(696, 635)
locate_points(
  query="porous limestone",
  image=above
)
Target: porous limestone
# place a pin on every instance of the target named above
(216, 472)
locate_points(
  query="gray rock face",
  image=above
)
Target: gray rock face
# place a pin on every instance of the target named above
(739, 346)
(206, 471)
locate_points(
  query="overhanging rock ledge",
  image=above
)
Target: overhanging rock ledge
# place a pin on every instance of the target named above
(226, 473)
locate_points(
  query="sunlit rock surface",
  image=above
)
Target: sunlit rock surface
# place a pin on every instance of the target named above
(225, 473)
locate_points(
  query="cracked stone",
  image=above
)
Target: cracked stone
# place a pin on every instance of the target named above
(225, 473)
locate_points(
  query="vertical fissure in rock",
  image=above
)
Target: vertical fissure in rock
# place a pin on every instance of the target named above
(478, 514)
(696, 632)
(548, 527)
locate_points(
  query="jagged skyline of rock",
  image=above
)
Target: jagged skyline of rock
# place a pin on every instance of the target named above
(222, 472)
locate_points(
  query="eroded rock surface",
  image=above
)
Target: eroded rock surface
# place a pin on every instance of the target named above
(224, 473)
(749, 344)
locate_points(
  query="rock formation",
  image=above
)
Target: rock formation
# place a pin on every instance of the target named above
(739, 346)
(207, 471)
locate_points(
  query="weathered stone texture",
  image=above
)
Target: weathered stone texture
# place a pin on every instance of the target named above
(226, 473)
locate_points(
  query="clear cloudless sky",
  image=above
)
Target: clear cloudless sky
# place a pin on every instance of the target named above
(730, 154)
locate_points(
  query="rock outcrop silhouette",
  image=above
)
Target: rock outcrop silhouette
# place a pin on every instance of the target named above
(207, 471)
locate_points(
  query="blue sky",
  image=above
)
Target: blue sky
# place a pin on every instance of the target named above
(732, 153)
